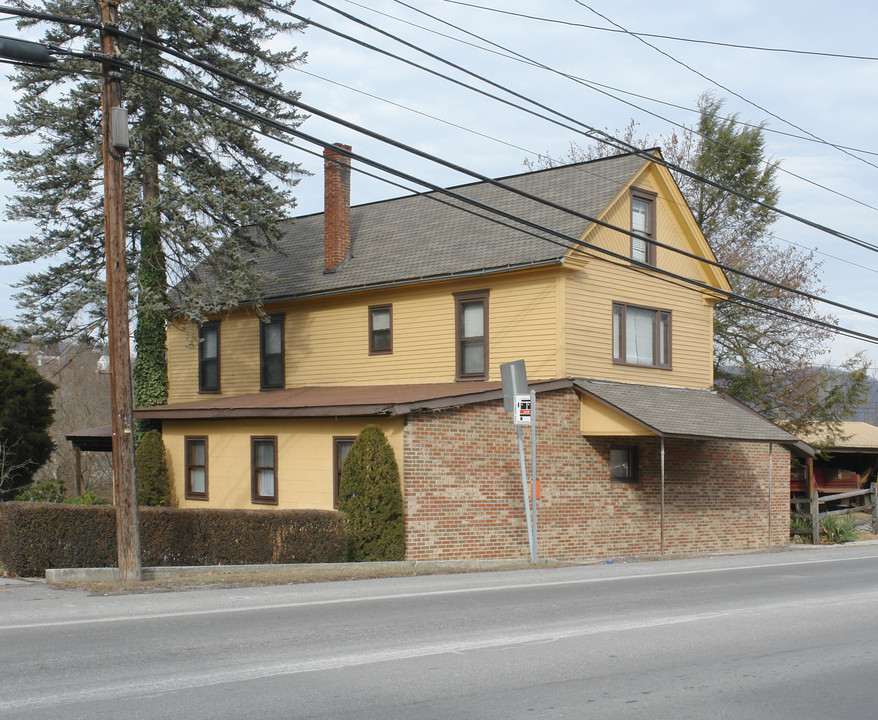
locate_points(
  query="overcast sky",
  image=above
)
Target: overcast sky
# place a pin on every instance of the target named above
(828, 100)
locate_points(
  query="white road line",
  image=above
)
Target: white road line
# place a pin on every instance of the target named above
(168, 684)
(412, 595)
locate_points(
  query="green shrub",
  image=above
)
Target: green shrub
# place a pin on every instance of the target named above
(153, 481)
(839, 529)
(48, 489)
(369, 492)
(87, 498)
(37, 536)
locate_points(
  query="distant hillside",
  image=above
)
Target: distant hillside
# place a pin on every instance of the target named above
(868, 411)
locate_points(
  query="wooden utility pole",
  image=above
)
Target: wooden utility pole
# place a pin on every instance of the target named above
(121, 385)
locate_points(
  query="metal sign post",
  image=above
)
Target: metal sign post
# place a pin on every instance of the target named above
(515, 401)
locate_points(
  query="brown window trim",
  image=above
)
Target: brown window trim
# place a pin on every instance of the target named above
(372, 349)
(619, 358)
(255, 497)
(188, 493)
(459, 299)
(649, 197)
(279, 318)
(634, 464)
(336, 470)
(210, 324)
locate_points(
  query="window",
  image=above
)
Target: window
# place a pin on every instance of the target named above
(472, 335)
(341, 446)
(208, 357)
(641, 336)
(624, 463)
(196, 468)
(380, 330)
(643, 225)
(271, 353)
(264, 463)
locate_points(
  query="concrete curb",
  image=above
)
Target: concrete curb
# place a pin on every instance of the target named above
(60, 576)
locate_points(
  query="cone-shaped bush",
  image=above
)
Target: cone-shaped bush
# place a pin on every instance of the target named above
(153, 482)
(369, 492)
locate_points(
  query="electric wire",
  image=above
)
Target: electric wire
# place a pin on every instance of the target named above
(724, 87)
(518, 57)
(571, 240)
(592, 84)
(584, 129)
(276, 125)
(676, 38)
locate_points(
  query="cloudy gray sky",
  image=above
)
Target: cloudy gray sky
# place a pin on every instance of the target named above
(809, 102)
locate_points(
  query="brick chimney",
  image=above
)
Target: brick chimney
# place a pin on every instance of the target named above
(337, 207)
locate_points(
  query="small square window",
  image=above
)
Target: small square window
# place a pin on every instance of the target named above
(624, 463)
(641, 336)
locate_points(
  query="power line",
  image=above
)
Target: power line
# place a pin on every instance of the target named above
(723, 87)
(676, 38)
(508, 216)
(570, 240)
(583, 129)
(518, 57)
(592, 84)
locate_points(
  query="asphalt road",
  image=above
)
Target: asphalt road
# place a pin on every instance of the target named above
(780, 635)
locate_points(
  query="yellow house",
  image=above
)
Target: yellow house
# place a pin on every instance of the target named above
(401, 313)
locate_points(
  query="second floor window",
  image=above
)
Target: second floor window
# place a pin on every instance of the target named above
(472, 335)
(208, 357)
(643, 226)
(271, 353)
(380, 330)
(641, 336)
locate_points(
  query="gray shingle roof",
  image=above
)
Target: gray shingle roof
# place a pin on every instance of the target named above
(429, 236)
(683, 412)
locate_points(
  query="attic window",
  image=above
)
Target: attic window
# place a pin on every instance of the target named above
(643, 226)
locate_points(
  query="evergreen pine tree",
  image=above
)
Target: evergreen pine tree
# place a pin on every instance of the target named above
(195, 174)
(25, 416)
(153, 481)
(369, 492)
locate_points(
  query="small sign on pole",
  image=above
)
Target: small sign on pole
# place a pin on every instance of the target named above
(523, 410)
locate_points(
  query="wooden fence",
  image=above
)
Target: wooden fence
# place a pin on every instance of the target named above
(870, 503)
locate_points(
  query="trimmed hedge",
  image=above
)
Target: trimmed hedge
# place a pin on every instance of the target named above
(37, 536)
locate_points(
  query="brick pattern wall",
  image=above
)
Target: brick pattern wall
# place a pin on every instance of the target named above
(463, 494)
(337, 207)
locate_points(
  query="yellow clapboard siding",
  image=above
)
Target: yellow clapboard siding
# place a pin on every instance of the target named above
(327, 339)
(591, 292)
(305, 458)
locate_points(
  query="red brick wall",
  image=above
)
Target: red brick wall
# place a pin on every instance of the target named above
(463, 495)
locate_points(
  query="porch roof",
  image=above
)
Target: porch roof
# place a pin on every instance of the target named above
(688, 413)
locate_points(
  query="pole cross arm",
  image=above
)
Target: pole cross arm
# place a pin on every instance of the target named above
(25, 51)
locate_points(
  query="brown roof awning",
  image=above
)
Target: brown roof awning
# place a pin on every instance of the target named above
(347, 400)
(96, 439)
